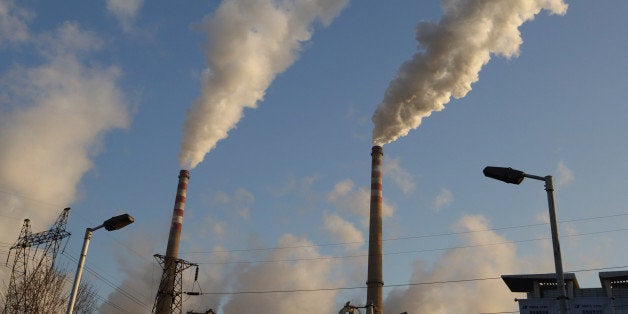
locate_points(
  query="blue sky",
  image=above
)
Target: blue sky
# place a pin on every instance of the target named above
(93, 101)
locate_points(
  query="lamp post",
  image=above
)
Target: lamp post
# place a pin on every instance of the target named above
(513, 176)
(113, 223)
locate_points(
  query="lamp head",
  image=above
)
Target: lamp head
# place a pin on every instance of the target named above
(118, 222)
(507, 175)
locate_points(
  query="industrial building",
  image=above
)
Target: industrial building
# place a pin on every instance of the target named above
(541, 292)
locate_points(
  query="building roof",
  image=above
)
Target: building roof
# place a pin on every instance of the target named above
(617, 278)
(525, 283)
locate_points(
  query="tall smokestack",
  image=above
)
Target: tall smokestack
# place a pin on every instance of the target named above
(375, 282)
(172, 250)
(165, 295)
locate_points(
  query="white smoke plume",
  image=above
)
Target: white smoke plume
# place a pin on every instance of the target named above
(451, 55)
(482, 296)
(53, 117)
(248, 44)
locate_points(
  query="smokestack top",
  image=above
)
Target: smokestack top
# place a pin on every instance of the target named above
(377, 150)
(184, 174)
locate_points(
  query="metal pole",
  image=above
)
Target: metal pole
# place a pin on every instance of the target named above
(560, 277)
(79, 271)
(79, 268)
(370, 309)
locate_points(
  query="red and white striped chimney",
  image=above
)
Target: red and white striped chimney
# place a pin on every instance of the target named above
(172, 250)
(165, 293)
(375, 282)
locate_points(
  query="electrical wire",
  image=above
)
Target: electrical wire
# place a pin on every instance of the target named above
(403, 237)
(139, 302)
(99, 297)
(409, 252)
(74, 212)
(102, 278)
(429, 283)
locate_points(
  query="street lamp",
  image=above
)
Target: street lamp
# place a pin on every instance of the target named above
(513, 176)
(113, 223)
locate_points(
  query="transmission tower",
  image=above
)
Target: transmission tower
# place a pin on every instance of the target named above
(171, 267)
(28, 286)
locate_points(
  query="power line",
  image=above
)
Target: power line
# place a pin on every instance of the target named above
(428, 283)
(71, 258)
(408, 252)
(101, 298)
(102, 278)
(74, 212)
(128, 248)
(14, 193)
(402, 237)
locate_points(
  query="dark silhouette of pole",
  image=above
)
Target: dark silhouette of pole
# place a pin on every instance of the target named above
(513, 176)
(113, 223)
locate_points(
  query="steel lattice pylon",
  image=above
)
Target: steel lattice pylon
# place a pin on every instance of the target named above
(18, 273)
(24, 279)
(175, 292)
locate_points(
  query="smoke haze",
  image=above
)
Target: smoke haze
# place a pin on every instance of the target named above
(451, 55)
(248, 44)
(483, 296)
(53, 117)
(285, 275)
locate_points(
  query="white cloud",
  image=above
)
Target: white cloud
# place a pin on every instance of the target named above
(219, 229)
(294, 274)
(136, 293)
(356, 202)
(443, 199)
(564, 175)
(462, 263)
(542, 217)
(125, 11)
(399, 176)
(13, 22)
(343, 231)
(67, 42)
(54, 117)
(239, 202)
(300, 186)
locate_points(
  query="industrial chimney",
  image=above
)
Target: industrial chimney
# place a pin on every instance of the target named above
(165, 294)
(374, 282)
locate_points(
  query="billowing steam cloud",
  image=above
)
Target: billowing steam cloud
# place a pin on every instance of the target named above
(482, 296)
(300, 274)
(452, 53)
(52, 119)
(249, 43)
